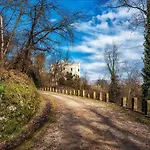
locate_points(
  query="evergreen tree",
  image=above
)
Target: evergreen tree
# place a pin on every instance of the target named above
(146, 60)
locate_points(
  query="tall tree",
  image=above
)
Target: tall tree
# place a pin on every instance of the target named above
(142, 18)
(146, 60)
(39, 61)
(17, 12)
(37, 26)
(38, 68)
(132, 83)
(57, 63)
(138, 18)
(2, 41)
(111, 56)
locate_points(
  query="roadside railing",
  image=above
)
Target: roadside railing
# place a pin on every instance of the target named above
(133, 104)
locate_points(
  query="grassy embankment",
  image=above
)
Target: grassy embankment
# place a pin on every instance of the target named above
(30, 142)
(19, 101)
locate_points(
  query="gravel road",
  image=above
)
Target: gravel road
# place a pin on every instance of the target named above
(90, 125)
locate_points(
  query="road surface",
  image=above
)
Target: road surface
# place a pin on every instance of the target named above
(90, 125)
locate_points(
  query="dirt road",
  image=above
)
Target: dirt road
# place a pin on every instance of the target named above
(89, 125)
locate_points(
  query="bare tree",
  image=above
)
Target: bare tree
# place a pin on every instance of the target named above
(138, 18)
(5, 44)
(102, 84)
(57, 63)
(37, 70)
(111, 56)
(132, 82)
(2, 40)
(143, 17)
(83, 81)
(135, 4)
(35, 29)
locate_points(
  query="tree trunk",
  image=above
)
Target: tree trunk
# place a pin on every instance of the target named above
(2, 43)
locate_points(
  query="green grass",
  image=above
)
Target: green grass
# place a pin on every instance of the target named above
(18, 103)
(29, 143)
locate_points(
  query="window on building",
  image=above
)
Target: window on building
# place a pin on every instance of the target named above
(71, 69)
(78, 70)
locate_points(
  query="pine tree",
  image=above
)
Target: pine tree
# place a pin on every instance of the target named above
(146, 60)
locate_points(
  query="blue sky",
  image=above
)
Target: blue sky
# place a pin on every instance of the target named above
(104, 26)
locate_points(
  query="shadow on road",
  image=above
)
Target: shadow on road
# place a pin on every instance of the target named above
(89, 128)
(112, 137)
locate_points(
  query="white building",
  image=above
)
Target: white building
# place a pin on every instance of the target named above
(73, 68)
(64, 67)
(60, 69)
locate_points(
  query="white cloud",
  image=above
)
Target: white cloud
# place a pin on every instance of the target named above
(103, 25)
(93, 65)
(53, 20)
(97, 56)
(94, 69)
(106, 32)
(83, 48)
(119, 14)
(91, 27)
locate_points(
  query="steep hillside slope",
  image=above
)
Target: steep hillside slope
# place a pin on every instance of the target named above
(19, 101)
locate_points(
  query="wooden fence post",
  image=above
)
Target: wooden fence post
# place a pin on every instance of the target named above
(135, 103)
(94, 95)
(70, 92)
(74, 92)
(83, 93)
(107, 97)
(78, 92)
(148, 107)
(66, 91)
(100, 96)
(124, 102)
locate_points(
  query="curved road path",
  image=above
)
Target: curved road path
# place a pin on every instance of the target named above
(90, 125)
